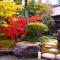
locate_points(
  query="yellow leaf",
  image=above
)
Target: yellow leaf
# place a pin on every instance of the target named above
(9, 8)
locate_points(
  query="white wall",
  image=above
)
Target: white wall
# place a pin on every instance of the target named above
(23, 2)
(51, 1)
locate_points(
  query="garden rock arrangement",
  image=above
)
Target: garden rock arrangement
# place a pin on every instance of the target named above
(25, 36)
(26, 49)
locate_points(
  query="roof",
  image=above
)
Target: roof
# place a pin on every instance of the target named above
(56, 11)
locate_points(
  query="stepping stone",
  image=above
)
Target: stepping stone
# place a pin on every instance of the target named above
(58, 56)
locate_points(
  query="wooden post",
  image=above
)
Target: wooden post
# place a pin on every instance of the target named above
(26, 11)
(40, 0)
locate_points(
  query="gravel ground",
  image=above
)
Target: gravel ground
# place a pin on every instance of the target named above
(12, 57)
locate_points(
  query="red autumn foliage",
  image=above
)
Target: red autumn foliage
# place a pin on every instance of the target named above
(0, 29)
(14, 31)
(18, 25)
(35, 18)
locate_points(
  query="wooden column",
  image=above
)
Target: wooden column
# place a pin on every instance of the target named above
(26, 11)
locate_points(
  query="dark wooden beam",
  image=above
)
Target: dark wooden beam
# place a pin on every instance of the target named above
(25, 2)
(26, 11)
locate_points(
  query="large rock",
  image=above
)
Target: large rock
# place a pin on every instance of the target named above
(26, 49)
